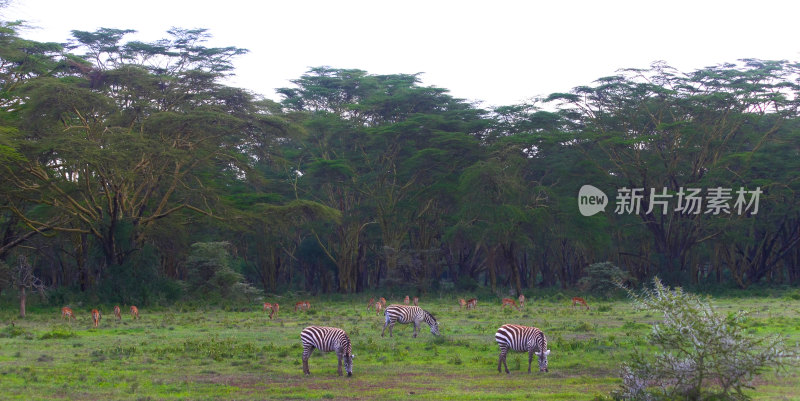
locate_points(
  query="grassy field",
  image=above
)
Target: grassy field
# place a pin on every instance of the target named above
(195, 354)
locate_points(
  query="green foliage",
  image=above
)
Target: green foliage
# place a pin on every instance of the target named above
(358, 181)
(12, 331)
(210, 274)
(138, 282)
(57, 333)
(603, 279)
(702, 354)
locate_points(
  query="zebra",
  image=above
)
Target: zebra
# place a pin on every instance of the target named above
(327, 339)
(409, 314)
(522, 338)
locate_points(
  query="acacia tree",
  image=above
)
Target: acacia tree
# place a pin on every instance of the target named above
(20, 61)
(659, 128)
(120, 143)
(379, 149)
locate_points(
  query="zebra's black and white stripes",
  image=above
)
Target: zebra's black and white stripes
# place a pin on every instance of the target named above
(409, 314)
(522, 338)
(327, 339)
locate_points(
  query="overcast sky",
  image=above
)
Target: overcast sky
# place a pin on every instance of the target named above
(498, 52)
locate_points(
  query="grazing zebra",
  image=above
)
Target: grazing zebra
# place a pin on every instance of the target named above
(409, 314)
(521, 339)
(327, 339)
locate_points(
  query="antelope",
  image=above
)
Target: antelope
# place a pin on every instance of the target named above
(370, 303)
(378, 308)
(134, 312)
(117, 313)
(472, 303)
(67, 313)
(509, 302)
(462, 302)
(416, 301)
(95, 317)
(302, 305)
(405, 301)
(521, 300)
(383, 302)
(579, 300)
(273, 308)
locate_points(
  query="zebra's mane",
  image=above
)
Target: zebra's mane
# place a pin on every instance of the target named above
(431, 315)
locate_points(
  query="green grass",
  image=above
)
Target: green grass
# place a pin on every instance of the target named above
(217, 354)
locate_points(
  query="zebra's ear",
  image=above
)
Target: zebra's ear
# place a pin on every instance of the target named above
(353, 356)
(547, 352)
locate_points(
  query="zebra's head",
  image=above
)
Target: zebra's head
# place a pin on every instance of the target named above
(434, 324)
(543, 361)
(348, 364)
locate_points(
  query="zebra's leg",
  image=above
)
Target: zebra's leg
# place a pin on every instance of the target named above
(306, 353)
(416, 327)
(502, 360)
(391, 326)
(530, 359)
(339, 370)
(384, 328)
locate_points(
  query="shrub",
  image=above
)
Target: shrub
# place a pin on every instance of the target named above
(210, 274)
(702, 355)
(602, 279)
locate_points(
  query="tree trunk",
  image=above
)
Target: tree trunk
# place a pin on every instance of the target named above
(22, 300)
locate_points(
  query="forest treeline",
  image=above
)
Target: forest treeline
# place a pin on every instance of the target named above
(131, 171)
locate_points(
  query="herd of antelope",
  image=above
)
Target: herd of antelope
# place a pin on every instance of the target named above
(378, 305)
(508, 337)
(69, 314)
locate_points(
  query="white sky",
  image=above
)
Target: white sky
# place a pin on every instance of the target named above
(498, 52)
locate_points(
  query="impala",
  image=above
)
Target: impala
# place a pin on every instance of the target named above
(95, 317)
(509, 302)
(579, 300)
(273, 308)
(67, 313)
(472, 303)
